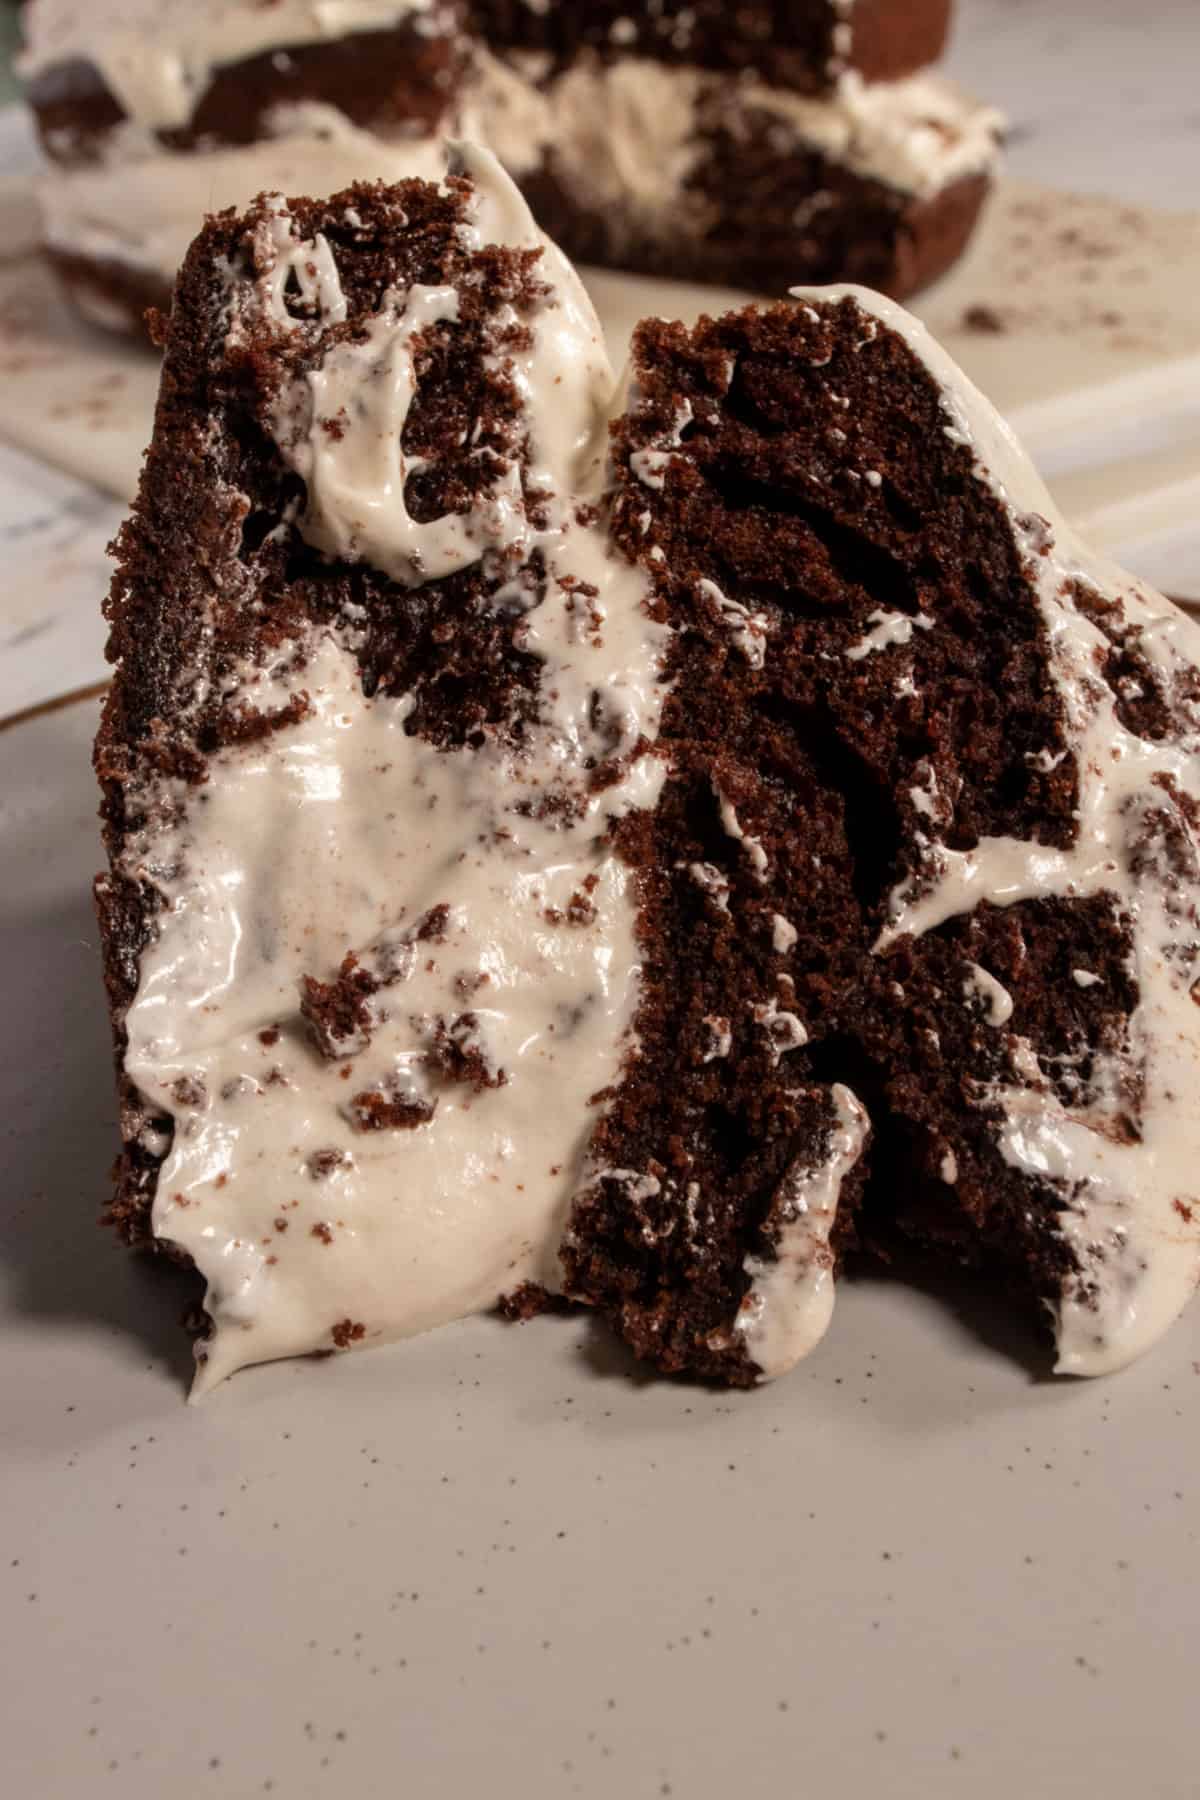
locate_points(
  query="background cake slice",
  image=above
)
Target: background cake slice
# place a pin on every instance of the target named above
(756, 145)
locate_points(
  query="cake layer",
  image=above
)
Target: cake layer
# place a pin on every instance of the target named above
(802, 45)
(362, 896)
(395, 83)
(158, 61)
(935, 794)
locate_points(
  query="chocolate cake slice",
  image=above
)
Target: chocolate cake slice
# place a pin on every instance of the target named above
(647, 847)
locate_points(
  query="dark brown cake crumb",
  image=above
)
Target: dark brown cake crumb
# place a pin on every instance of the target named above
(457, 1054)
(336, 1012)
(530, 1301)
(379, 1109)
(322, 1163)
(982, 318)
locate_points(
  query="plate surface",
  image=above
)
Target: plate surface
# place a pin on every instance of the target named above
(495, 1558)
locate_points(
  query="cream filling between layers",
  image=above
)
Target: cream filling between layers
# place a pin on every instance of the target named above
(629, 133)
(343, 832)
(624, 138)
(1130, 1211)
(142, 205)
(158, 56)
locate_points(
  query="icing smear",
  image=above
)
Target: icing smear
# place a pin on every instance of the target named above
(1124, 1167)
(789, 1304)
(416, 1172)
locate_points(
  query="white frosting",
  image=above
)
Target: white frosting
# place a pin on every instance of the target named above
(887, 628)
(342, 833)
(785, 1031)
(626, 135)
(996, 999)
(714, 882)
(789, 1305)
(650, 464)
(623, 133)
(158, 56)
(917, 135)
(355, 476)
(732, 826)
(747, 630)
(783, 934)
(1130, 1211)
(143, 206)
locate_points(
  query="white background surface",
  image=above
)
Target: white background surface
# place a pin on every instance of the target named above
(491, 1561)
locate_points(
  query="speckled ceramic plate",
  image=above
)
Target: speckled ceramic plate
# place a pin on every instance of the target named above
(495, 1559)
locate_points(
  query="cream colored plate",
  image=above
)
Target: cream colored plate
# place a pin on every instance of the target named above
(498, 1561)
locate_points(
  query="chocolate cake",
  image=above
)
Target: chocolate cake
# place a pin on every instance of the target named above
(643, 846)
(758, 144)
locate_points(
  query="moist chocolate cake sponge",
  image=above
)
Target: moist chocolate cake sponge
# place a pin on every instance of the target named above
(857, 641)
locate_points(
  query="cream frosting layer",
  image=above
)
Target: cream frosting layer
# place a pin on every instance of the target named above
(628, 133)
(789, 1303)
(158, 56)
(1129, 1206)
(478, 882)
(142, 206)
